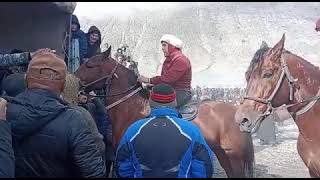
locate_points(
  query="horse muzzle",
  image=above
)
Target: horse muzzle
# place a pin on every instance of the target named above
(248, 121)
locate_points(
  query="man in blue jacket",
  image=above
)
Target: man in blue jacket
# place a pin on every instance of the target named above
(163, 145)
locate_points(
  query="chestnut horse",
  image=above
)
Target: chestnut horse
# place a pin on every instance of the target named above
(277, 80)
(127, 102)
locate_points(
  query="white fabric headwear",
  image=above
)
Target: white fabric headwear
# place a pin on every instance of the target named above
(173, 40)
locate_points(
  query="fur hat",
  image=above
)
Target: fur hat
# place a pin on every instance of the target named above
(163, 95)
(48, 71)
(173, 40)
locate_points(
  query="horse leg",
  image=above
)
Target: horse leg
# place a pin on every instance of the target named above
(223, 160)
(242, 158)
(248, 157)
(241, 167)
(237, 166)
(312, 174)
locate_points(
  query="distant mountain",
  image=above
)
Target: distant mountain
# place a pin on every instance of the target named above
(220, 37)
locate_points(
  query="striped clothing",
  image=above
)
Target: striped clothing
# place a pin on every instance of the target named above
(164, 145)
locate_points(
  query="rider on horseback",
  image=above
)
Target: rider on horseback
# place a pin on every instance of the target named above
(176, 70)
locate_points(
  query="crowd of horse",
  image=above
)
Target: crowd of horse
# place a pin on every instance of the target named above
(275, 78)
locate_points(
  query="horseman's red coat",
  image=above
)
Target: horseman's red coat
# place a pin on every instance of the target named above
(176, 71)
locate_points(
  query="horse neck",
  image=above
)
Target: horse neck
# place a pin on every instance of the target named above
(309, 83)
(308, 75)
(125, 113)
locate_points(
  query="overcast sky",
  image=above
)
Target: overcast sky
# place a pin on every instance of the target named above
(95, 10)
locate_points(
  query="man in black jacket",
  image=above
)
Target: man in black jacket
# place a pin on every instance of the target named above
(98, 111)
(6, 151)
(50, 139)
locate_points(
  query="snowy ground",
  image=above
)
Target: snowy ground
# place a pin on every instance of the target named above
(280, 160)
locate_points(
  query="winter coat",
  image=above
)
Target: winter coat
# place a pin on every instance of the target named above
(6, 151)
(176, 71)
(50, 139)
(103, 122)
(79, 34)
(163, 145)
(93, 127)
(95, 48)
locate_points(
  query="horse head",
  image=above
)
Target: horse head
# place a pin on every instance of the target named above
(265, 89)
(125, 98)
(95, 73)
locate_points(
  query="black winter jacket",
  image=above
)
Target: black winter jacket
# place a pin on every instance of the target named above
(50, 139)
(6, 151)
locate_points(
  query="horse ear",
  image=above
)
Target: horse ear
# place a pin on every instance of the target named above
(107, 53)
(276, 51)
(264, 45)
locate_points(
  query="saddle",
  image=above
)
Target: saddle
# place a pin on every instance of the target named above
(189, 111)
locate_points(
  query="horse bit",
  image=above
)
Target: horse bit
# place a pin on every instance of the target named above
(291, 81)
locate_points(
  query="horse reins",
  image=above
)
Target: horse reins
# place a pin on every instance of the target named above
(291, 81)
(107, 87)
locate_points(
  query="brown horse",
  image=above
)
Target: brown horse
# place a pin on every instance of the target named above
(278, 79)
(127, 102)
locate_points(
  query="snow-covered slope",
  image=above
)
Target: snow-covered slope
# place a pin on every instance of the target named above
(220, 37)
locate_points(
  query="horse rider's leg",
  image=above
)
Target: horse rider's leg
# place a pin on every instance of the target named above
(183, 97)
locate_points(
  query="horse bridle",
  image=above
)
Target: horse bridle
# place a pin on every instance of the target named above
(107, 87)
(292, 84)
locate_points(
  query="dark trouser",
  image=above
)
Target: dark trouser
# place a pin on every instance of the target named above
(183, 97)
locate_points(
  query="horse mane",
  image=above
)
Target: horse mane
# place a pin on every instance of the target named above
(255, 60)
(132, 78)
(263, 49)
(315, 68)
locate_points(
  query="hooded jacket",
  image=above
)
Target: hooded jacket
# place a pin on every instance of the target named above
(79, 34)
(95, 48)
(50, 139)
(164, 146)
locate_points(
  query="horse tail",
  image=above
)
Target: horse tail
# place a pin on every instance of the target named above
(249, 159)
